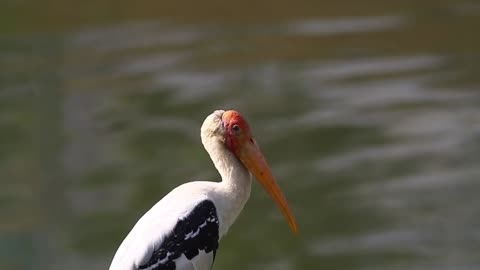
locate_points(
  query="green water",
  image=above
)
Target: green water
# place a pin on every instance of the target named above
(367, 111)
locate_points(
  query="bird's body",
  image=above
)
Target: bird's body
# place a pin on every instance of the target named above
(182, 231)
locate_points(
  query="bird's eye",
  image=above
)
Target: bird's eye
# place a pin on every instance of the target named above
(236, 128)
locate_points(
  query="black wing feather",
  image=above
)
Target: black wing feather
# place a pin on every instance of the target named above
(197, 231)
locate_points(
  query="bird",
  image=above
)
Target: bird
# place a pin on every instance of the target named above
(182, 231)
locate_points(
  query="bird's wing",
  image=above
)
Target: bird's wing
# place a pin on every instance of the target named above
(192, 243)
(180, 232)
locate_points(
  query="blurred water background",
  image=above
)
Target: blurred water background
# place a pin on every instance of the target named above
(367, 111)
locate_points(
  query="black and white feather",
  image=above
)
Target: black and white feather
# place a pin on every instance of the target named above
(195, 233)
(181, 232)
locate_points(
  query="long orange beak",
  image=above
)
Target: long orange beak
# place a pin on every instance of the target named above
(253, 159)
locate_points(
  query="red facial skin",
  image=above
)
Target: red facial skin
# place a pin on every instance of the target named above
(237, 129)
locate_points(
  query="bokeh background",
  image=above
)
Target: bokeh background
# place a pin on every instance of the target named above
(367, 111)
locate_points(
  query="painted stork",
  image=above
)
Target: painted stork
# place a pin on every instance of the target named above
(183, 229)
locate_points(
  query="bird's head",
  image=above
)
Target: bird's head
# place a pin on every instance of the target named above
(232, 129)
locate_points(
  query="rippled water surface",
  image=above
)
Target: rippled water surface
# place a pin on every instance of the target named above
(368, 114)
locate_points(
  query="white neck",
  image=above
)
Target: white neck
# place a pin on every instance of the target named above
(234, 190)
